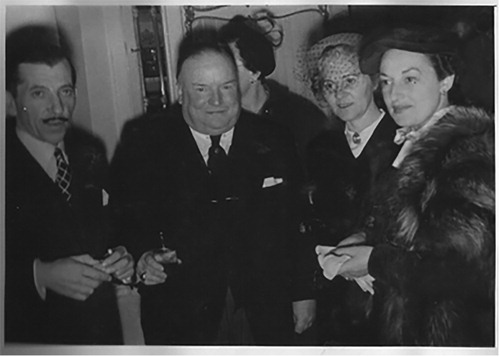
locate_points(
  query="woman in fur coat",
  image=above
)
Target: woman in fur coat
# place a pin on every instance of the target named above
(430, 244)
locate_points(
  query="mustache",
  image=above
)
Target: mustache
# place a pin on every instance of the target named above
(54, 119)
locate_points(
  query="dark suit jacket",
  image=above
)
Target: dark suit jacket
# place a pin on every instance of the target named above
(341, 184)
(41, 224)
(302, 117)
(247, 241)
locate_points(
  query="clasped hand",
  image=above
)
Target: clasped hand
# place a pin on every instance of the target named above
(77, 277)
(150, 272)
(119, 264)
(357, 265)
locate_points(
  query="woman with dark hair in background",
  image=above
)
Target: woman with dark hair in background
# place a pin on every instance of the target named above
(254, 54)
(431, 243)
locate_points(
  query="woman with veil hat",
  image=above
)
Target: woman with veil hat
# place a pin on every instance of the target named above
(343, 166)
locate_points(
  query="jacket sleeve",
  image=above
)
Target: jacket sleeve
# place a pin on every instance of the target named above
(304, 257)
(130, 195)
(23, 305)
(452, 254)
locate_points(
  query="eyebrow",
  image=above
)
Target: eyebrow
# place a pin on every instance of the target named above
(37, 86)
(405, 71)
(351, 74)
(41, 86)
(412, 69)
(205, 84)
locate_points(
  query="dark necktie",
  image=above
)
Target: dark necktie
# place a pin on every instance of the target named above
(63, 177)
(217, 166)
(216, 156)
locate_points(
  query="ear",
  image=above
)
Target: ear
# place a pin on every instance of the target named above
(10, 105)
(446, 84)
(179, 93)
(375, 79)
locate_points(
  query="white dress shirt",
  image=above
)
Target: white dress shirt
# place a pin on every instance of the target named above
(42, 152)
(204, 142)
(364, 136)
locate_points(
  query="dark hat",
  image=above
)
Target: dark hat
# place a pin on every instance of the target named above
(426, 40)
(256, 50)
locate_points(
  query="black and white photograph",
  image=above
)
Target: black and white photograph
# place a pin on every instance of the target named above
(248, 179)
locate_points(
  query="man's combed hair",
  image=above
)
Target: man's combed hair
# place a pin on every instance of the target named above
(35, 45)
(199, 41)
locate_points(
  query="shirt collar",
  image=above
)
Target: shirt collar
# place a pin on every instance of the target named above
(366, 132)
(364, 135)
(203, 141)
(42, 152)
(413, 133)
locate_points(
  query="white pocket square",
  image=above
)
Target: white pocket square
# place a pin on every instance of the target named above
(105, 198)
(271, 181)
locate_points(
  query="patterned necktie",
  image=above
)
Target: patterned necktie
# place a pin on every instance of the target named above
(63, 177)
(216, 155)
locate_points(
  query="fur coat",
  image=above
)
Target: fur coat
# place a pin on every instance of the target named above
(435, 265)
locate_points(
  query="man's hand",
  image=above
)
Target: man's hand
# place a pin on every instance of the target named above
(149, 270)
(74, 277)
(357, 266)
(304, 314)
(119, 264)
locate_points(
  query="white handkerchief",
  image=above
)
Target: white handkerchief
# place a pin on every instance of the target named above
(271, 181)
(323, 249)
(366, 283)
(105, 198)
(330, 263)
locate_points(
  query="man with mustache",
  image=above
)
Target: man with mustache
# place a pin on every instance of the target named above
(60, 265)
(217, 185)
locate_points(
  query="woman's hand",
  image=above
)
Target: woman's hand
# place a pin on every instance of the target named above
(357, 265)
(353, 239)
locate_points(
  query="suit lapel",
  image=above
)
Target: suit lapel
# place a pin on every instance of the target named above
(38, 199)
(28, 172)
(341, 145)
(182, 162)
(380, 149)
(247, 157)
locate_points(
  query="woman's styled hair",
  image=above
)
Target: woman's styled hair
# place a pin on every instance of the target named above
(256, 51)
(439, 45)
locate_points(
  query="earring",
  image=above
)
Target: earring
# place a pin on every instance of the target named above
(24, 109)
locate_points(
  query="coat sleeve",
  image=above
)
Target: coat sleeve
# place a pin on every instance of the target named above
(304, 257)
(130, 195)
(447, 269)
